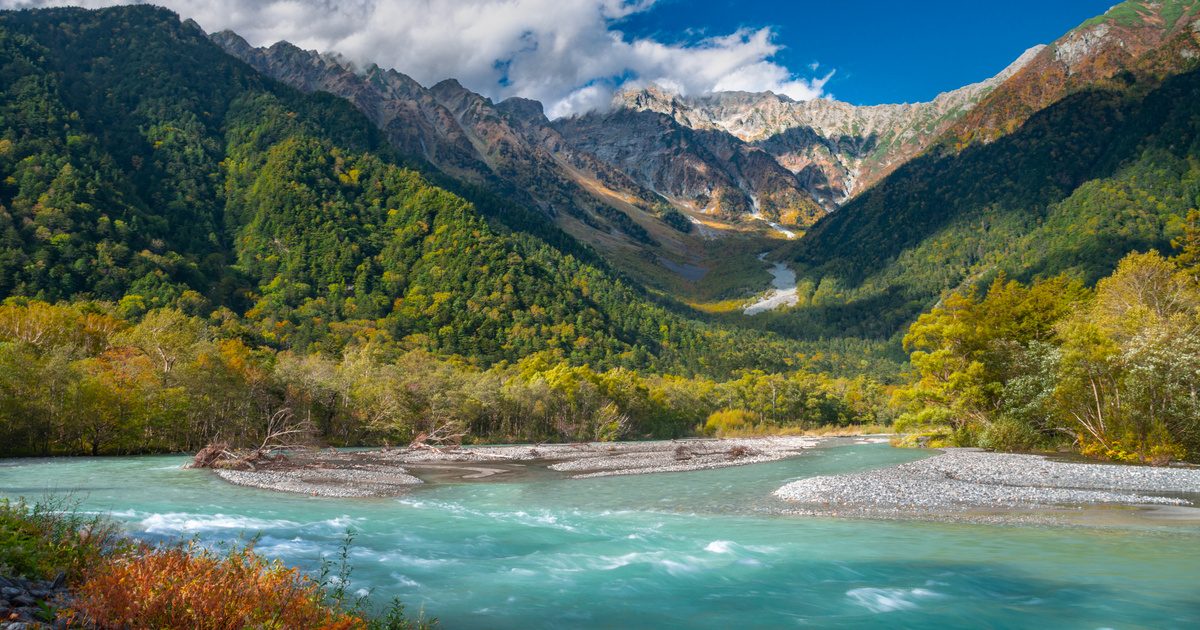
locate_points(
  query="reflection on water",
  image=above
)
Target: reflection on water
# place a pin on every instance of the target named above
(707, 549)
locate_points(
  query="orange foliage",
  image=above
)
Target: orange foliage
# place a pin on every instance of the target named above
(183, 587)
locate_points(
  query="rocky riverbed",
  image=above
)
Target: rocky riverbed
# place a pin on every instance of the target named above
(381, 473)
(963, 484)
(27, 604)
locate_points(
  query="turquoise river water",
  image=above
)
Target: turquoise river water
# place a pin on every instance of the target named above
(708, 549)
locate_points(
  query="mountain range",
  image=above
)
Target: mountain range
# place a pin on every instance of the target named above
(307, 201)
(656, 164)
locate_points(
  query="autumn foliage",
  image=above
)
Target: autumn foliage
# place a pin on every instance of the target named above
(185, 587)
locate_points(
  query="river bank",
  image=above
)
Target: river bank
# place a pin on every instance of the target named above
(393, 472)
(974, 485)
(543, 550)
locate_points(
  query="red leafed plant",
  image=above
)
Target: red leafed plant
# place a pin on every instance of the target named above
(187, 587)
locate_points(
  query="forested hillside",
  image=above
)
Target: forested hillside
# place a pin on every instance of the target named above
(145, 167)
(1112, 371)
(1073, 188)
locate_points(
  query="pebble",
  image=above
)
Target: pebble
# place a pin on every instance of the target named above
(382, 473)
(968, 479)
(327, 482)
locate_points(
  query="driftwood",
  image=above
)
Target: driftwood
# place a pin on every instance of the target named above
(210, 455)
(442, 439)
(282, 434)
(738, 452)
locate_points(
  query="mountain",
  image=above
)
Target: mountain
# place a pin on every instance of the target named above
(1022, 188)
(623, 180)
(1096, 50)
(704, 170)
(141, 166)
(508, 147)
(745, 145)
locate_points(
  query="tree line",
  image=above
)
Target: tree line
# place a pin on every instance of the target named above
(77, 378)
(1113, 371)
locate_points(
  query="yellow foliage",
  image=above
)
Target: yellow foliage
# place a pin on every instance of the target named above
(727, 420)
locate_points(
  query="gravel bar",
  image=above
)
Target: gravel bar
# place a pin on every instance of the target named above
(384, 473)
(326, 482)
(965, 480)
(683, 455)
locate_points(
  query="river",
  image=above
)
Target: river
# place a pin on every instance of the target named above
(783, 289)
(707, 549)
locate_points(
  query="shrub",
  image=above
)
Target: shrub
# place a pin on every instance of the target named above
(927, 418)
(187, 587)
(1009, 434)
(49, 538)
(727, 420)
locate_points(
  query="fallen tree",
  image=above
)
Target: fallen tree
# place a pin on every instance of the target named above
(283, 433)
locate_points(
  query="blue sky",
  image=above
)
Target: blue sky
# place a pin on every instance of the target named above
(883, 52)
(573, 55)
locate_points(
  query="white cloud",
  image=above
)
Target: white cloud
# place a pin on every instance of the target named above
(565, 53)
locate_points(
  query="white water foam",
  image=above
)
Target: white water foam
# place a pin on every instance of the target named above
(881, 600)
(719, 546)
(295, 547)
(177, 522)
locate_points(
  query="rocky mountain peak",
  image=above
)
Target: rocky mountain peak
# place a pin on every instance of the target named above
(233, 43)
(523, 108)
(836, 149)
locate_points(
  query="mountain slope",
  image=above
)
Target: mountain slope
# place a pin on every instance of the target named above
(1074, 187)
(833, 149)
(508, 147)
(705, 170)
(141, 164)
(1096, 50)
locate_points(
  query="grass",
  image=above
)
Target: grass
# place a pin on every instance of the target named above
(1134, 12)
(49, 538)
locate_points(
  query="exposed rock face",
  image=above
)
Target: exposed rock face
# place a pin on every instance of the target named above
(731, 154)
(412, 119)
(1095, 51)
(703, 168)
(509, 147)
(833, 149)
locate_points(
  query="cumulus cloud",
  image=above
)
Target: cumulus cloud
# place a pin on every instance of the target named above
(569, 54)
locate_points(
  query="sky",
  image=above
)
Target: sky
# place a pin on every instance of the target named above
(573, 54)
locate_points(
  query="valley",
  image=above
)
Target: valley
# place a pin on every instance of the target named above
(589, 328)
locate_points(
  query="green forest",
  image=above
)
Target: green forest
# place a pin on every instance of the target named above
(1100, 173)
(194, 253)
(145, 167)
(154, 186)
(1112, 370)
(78, 378)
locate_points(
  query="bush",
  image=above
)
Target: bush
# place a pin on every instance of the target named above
(49, 538)
(725, 421)
(925, 419)
(1009, 434)
(186, 587)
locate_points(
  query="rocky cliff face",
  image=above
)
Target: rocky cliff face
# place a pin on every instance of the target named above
(733, 155)
(832, 149)
(699, 167)
(1096, 51)
(412, 119)
(509, 147)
